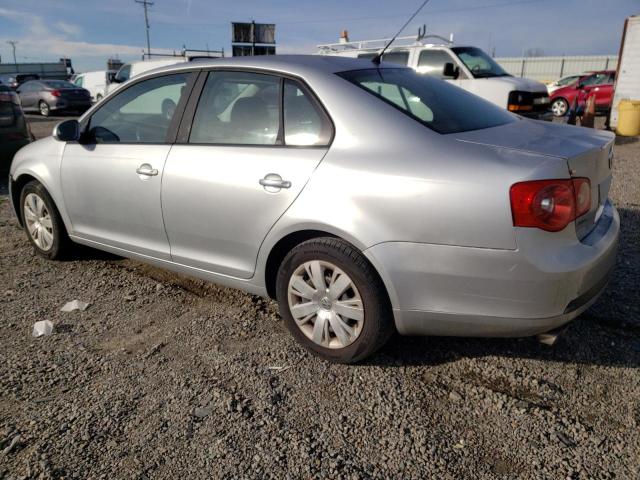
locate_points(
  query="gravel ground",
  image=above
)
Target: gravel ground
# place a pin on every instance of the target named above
(168, 377)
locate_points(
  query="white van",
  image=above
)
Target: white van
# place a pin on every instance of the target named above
(465, 66)
(130, 70)
(96, 82)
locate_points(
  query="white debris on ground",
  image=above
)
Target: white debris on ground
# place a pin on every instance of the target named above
(75, 305)
(42, 328)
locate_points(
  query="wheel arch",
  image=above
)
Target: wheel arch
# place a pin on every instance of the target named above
(286, 243)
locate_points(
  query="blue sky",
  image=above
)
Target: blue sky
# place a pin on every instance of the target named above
(89, 31)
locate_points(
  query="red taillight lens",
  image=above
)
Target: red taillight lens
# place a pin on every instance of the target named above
(55, 93)
(549, 204)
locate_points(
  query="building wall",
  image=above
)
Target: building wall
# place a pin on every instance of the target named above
(548, 69)
(45, 70)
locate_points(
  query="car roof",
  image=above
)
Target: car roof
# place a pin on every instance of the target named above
(302, 65)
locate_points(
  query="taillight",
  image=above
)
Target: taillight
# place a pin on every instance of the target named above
(549, 204)
(55, 93)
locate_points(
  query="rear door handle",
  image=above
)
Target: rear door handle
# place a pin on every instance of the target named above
(273, 181)
(147, 170)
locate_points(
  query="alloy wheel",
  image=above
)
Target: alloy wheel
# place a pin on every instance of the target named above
(325, 304)
(38, 222)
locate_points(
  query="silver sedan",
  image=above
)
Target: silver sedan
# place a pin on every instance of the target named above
(366, 199)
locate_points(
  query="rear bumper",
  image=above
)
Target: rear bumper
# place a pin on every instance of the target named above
(464, 291)
(63, 104)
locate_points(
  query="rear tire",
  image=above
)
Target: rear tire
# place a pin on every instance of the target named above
(42, 222)
(43, 108)
(341, 309)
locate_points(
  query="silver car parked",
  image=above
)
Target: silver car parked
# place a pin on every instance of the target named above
(365, 199)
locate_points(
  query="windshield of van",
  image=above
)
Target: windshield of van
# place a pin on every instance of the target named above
(123, 74)
(435, 103)
(479, 63)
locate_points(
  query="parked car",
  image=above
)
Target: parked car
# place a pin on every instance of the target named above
(14, 131)
(465, 66)
(46, 96)
(364, 198)
(14, 80)
(96, 82)
(563, 82)
(600, 84)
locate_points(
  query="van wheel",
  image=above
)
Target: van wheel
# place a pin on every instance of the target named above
(333, 301)
(44, 109)
(42, 222)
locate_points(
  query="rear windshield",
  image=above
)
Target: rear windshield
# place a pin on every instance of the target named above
(435, 103)
(59, 84)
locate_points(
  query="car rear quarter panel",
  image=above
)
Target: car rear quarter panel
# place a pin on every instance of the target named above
(390, 178)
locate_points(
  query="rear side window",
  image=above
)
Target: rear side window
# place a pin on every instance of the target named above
(304, 122)
(436, 104)
(238, 108)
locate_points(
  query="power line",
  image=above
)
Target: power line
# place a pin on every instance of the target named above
(146, 4)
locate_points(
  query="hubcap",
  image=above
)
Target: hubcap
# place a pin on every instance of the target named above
(38, 221)
(325, 304)
(559, 108)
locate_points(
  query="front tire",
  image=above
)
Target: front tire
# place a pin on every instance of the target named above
(332, 301)
(559, 107)
(42, 222)
(43, 108)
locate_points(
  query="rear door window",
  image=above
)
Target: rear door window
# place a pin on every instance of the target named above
(238, 108)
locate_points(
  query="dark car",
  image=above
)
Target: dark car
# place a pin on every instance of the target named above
(46, 96)
(14, 132)
(14, 80)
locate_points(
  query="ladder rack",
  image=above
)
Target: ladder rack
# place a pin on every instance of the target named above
(410, 41)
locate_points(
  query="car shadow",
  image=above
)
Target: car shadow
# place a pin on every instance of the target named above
(608, 334)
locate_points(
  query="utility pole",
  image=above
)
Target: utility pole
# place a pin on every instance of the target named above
(13, 44)
(146, 4)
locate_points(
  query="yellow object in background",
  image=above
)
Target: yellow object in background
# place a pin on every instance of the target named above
(628, 118)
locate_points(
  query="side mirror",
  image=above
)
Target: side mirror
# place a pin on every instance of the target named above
(450, 70)
(67, 131)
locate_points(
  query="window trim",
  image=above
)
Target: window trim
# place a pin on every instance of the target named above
(172, 131)
(190, 110)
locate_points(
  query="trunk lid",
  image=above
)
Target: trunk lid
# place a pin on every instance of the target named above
(587, 153)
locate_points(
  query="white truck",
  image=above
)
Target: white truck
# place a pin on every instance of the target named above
(96, 82)
(465, 66)
(131, 69)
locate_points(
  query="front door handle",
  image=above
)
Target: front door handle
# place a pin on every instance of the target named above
(273, 182)
(147, 170)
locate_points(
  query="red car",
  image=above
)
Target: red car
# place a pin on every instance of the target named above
(599, 84)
